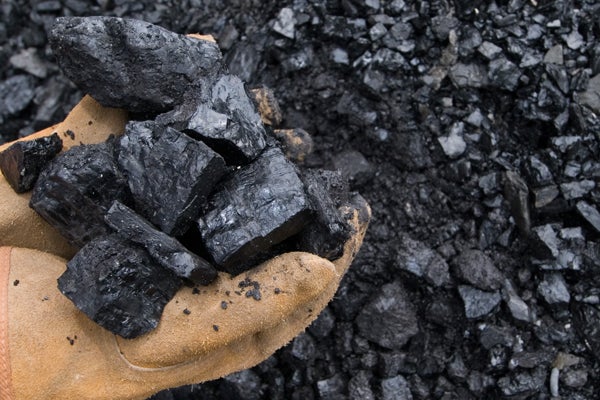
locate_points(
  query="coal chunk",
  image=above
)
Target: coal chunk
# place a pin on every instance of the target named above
(164, 249)
(169, 174)
(129, 63)
(478, 303)
(22, 162)
(328, 233)
(475, 267)
(77, 188)
(118, 285)
(226, 119)
(389, 319)
(260, 205)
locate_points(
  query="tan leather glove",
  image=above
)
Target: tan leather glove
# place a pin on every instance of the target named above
(51, 350)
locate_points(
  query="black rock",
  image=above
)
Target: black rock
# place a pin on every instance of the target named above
(354, 167)
(258, 206)
(164, 249)
(22, 162)
(389, 318)
(419, 259)
(329, 231)
(118, 285)
(517, 193)
(129, 63)
(589, 213)
(396, 388)
(476, 268)
(332, 388)
(225, 119)
(77, 188)
(15, 94)
(553, 289)
(504, 74)
(169, 174)
(478, 303)
(523, 384)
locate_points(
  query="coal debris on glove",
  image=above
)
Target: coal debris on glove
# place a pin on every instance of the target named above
(22, 162)
(118, 285)
(123, 62)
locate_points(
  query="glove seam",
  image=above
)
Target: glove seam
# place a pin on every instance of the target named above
(6, 389)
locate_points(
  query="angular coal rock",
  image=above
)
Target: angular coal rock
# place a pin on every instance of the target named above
(118, 285)
(77, 188)
(22, 162)
(477, 302)
(225, 119)
(169, 174)
(15, 94)
(476, 268)
(164, 249)
(260, 205)
(131, 64)
(328, 233)
(589, 213)
(389, 319)
(419, 259)
(517, 194)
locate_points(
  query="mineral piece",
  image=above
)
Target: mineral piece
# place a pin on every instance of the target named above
(131, 64)
(164, 249)
(118, 285)
(328, 233)
(225, 119)
(77, 188)
(22, 162)
(169, 174)
(260, 205)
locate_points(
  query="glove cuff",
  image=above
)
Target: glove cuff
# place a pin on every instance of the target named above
(6, 392)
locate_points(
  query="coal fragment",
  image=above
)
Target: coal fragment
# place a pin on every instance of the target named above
(478, 303)
(419, 259)
(504, 74)
(354, 167)
(169, 174)
(389, 318)
(260, 205)
(225, 119)
(591, 97)
(22, 162)
(476, 268)
(517, 193)
(15, 94)
(131, 64)
(76, 189)
(118, 285)
(164, 249)
(553, 289)
(329, 231)
(589, 213)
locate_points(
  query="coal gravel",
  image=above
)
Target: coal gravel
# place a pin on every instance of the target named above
(473, 130)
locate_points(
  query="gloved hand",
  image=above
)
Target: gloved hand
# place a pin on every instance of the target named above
(51, 350)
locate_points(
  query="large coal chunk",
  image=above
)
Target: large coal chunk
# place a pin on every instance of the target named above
(22, 162)
(77, 188)
(131, 64)
(169, 174)
(260, 205)
(328, 233)
(226, 119)
(164, 249)
(118, 285)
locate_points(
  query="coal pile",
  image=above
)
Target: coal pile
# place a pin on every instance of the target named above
(472, 128)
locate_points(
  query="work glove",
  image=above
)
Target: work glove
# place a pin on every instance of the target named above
(51, 350)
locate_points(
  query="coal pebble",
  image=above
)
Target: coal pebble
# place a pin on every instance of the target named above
(118, 285)
(22, 162)
(166, 167)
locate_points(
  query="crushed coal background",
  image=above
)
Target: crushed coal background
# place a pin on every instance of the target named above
(473, 130)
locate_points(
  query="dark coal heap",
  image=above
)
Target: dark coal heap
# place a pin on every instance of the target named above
(471, 127)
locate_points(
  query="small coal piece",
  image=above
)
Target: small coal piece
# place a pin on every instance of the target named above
(328, 233)
(77, 188)
(118, 285)
(259, 206)
(164, 249)
(22, 162)
(226, 120)
(169, 174)
(132, 64)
